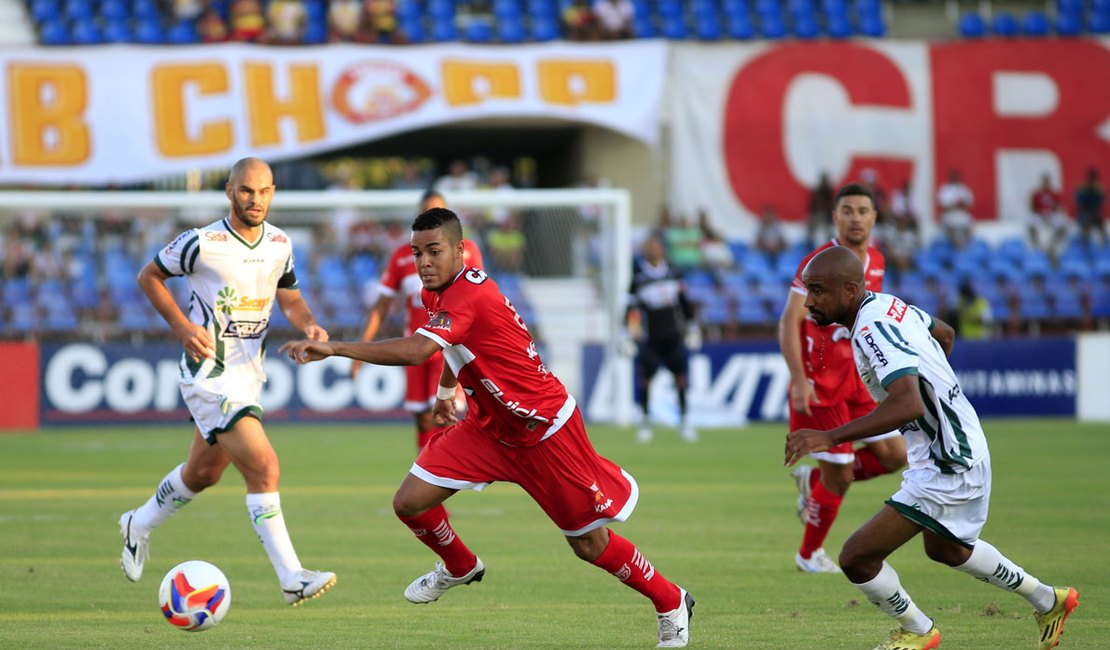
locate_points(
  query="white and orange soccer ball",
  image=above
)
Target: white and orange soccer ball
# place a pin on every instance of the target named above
(194, 596)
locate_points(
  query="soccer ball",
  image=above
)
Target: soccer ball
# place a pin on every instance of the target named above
(194, 596)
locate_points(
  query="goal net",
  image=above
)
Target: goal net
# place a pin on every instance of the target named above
(562, 256)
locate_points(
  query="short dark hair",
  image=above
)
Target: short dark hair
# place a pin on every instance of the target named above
(854, 189)
(440, 218)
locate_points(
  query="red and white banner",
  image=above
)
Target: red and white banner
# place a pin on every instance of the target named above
(124, 114)
(754, 126)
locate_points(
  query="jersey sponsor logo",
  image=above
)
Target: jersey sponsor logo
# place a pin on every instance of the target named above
(227, 301)
(277, 237)
(513, 405)
(440, 321)
(897, 310)
(246, 329)
(476, 276)
(869, 339)
(909, 426)
(368, 91)
(215, 236)
(254, 260)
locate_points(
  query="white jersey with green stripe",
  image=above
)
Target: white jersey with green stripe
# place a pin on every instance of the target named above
(233, 284)
(891, 340)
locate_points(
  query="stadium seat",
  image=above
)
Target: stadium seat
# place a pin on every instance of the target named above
(704, 8)
(54, 32)
(1004, 24)
(78, 10)
(642, 26)
(315, 10)
(510, 29)
(117, 31)
(772, 26)
(407, 10)
(443, 29)
(146, 9)
(114, 9)
(24, 318)
(806, 27)
(872, 25)
(545, 28)
(479, 30)
(439, 9)
(412, 29)
(734, 7)
(673, 27)
(45, 10)
(1069, 24)
(972, 26)
(315, 32)
(182, 33)
(86, 31)
(543, 8)
(503, 9)
(838, 25)
(148, 32)
(707, 27)
(1099, 23)
(670, 9)
(1034, 23)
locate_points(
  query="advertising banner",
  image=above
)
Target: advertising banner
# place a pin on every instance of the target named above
(125, 114)
(753, 126)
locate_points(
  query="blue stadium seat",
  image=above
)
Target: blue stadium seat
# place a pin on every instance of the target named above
(642, 26)
(364, 267)
(1004, 24)
(734, 7)
(479, 31)
(54, 32)
(806, 27)
(1100, 301)
(772, 26)
(60, 316)
(149, 32)
(412, 29)
(315, 32)
(182, 33)
(24, 318)
(1034, 23)
(117, 31)
(543, 8)
(1074, 7)
(78, 9)
(702, 8)
(972, 26)
(751, 310)
(86, 31)
(45, 10)
(114, 9)
(146, 9)
(1099, 23)
(545, 28)
(510, 29)
(315, 10)
(670, 9)
(407, 10)
(715, 311)
(1069, 24)
(443, 29)
(872, 25)
(503, 9)
(1033, 306)
(838, 25)
(707, 27)
(673, 27)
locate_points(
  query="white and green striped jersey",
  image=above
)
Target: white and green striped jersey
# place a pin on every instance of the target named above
(233, 284)
(890, 340)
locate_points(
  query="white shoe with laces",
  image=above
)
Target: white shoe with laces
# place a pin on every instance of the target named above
(674, 626)
(819, 562)
(306, 585)
(801, 475)
(430, 586)
(136, 547)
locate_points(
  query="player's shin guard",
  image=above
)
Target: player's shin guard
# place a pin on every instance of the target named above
(264, 509)
(989, 565)
(171, 496)
(622, 559)
(885, 591)
(867, 465)
(434, 530)
(821, 512)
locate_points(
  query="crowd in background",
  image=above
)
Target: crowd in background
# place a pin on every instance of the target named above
(65, 274)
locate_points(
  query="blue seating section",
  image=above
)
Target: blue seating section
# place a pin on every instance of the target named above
(1070, 18)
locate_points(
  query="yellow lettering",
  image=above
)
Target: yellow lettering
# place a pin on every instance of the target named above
(574, 82)
(303, 105)
(46, 106)
(472, 83)
(171, 126)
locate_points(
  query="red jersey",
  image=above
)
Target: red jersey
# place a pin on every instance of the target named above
(400, 277)
(509, 391)
(1046, 202)
(827, 351)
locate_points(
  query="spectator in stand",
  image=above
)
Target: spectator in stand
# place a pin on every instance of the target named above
(614, 19)
(954, 201)
(459, 178)
(770, 238)
(379, 22)
(1047, 218)
(17, 262)
(682, 241)
(1090, 197)
(248, 23)
(973, 318)
(579, 23)
(345, 21)
(211, 27)
(902, 237)
(286, 22)
(507, 246)
(822, 200)
(187, 9)
(870, 179)
(411, 178)
(715, 251)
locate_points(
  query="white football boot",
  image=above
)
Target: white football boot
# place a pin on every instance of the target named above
(430, 586)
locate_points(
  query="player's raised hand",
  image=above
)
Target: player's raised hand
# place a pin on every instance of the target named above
(802, 396)
(443, 412)
(805, 441)
(307, 351)
(196, 341)
(316, 333)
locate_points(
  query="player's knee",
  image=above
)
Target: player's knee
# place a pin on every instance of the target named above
(403, 506)
(202, 476)
(949, 555)
(837, 479)
(589, 547)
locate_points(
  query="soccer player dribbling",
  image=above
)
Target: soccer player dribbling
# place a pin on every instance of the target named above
(901, 354)
(522, 427)
(824, 390)
(236, 268)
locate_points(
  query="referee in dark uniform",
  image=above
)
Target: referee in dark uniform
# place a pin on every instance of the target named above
(661, 320)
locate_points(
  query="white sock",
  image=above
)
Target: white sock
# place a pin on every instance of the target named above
(989, 565)
(171, 496)
(886, 592)
(265, 512)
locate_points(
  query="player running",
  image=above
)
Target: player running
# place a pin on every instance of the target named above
(236, 268)
(901, 355)
(522, 427)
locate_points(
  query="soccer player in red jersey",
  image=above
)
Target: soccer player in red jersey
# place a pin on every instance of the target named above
(401, 279)
(825, 389)
(522, 427)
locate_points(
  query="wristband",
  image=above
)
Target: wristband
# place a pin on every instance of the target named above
(445, 393)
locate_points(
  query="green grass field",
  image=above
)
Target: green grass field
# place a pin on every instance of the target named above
(716, 517)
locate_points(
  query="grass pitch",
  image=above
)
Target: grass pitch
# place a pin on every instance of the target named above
(716, 517)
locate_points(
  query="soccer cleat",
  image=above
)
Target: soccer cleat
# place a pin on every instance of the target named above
(674, 626)
(136, 547)
(817, 563)
(430, 586)
(306, 585)
(644, 435)
(906, 640)
(1052, 621)
(688, 433)
(801, 475)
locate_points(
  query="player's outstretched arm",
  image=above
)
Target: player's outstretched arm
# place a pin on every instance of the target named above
(902, 405)
(407, 351)
(373, 324)
(194, 338)
(790, 342)
(293, 305)
(944, 334)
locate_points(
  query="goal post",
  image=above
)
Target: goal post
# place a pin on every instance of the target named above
(580, 236)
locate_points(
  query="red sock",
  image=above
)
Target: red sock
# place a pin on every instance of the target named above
(867, 465)
(433, 529)
(820, 515)
(814, 477)
(622, 559)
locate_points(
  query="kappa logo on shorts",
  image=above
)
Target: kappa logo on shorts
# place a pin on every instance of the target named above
(601, 502)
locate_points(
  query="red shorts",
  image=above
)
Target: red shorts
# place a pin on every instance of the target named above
(578, 489)
(826, 417)
(421, 383)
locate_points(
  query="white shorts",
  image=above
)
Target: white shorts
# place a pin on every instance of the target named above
(952, 505)
(215, 413)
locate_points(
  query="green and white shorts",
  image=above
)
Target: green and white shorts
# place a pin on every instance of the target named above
(953, 506)
(215, 413)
